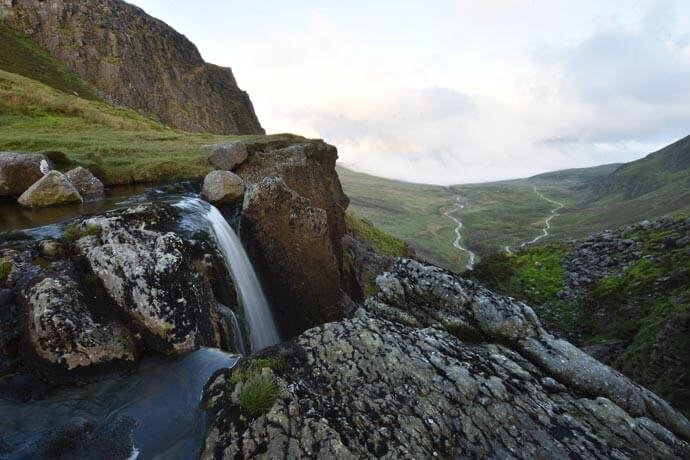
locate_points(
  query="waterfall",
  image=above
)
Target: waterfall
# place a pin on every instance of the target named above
(262, 328)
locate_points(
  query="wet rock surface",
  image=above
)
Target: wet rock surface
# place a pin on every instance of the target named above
(434, 365)
(52, 189)
(18, 171)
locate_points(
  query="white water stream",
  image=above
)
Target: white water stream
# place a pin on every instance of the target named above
(547, 222)
(458, 237)
(262, 328)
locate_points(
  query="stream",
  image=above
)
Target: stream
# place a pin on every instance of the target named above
(547, 222)
(155, 412)
(458, 236)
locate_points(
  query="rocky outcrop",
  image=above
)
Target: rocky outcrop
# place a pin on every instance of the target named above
(18, 171)
(136, 60)
(63, 337)
(228, 155)
(88, 185)
(223, 187)
(301, 270)
(434, 365)
(51, 189)
(292, 240)
(150, 276)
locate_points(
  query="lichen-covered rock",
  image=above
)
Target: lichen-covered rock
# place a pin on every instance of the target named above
(227, 155)
(136, 60)
(150, 275)
(63, 339)
(435, 366)
(51, 189)
(223, 187)
(292, 243)
(18, 171)
(89, 186)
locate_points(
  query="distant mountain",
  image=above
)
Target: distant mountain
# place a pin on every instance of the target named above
(134, 60)
(513, 212)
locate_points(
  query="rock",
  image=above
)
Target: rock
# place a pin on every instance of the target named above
(137, 61)
(18, 171)
(307, 170)
(51, 189)
(150, 275)
(291, 242)
(88, 185)
(228, 155)
(223, 187)
(476, 377)
(63, 338)
(50, 249)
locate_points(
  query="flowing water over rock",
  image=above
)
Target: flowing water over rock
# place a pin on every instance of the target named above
(155, 412)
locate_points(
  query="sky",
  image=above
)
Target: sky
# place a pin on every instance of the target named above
(456, 91)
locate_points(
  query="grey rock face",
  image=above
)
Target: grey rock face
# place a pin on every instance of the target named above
(223, 187)
(18, 171)
(51, 189)
(62, 332)
(149, 274)
(228, 155)
(136, 60)
(88, 185)
(434, 365)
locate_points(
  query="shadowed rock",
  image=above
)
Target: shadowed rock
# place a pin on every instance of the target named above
(18, 171)
(228, 155)
(88, 185)
(51, 189)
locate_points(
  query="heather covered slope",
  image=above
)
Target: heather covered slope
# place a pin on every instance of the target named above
(136, 60)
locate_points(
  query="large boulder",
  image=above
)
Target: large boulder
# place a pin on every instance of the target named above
(223, 187)
(18, 171)
(228, 155)
(291, 241)
(51, 189)
(309, 182)
(63, 339)
(435, 366)
(88, 185)
(150, 275)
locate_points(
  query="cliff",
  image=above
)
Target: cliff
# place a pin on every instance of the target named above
(136, 60)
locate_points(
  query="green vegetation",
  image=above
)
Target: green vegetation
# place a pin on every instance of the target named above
(258, 389)
(258, 393)
(117, 144)
(21, 56)
(74, 232)
(5, 269)
(379, 241)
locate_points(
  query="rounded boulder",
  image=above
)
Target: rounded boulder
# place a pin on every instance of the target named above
(223, 187)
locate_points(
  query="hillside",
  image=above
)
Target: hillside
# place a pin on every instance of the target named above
(510, 213)
(623, 294)
(160, 72)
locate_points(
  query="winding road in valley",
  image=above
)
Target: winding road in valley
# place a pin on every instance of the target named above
(458, 237)
(547, 221)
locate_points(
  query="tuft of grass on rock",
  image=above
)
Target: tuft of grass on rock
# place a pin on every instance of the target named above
(258, 393)
(74, 232)
(5, 269)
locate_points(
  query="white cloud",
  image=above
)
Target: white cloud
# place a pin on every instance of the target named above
(458, 91)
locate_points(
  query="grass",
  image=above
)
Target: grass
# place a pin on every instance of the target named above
(380, 241)
(258, 393)
(75, 231)
(118, 145)
(5, 269)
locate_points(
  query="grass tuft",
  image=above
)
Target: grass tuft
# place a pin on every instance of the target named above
(74, 232)
(258, 393)
(5, 269)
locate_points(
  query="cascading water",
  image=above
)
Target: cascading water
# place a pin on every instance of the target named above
(262, 328)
